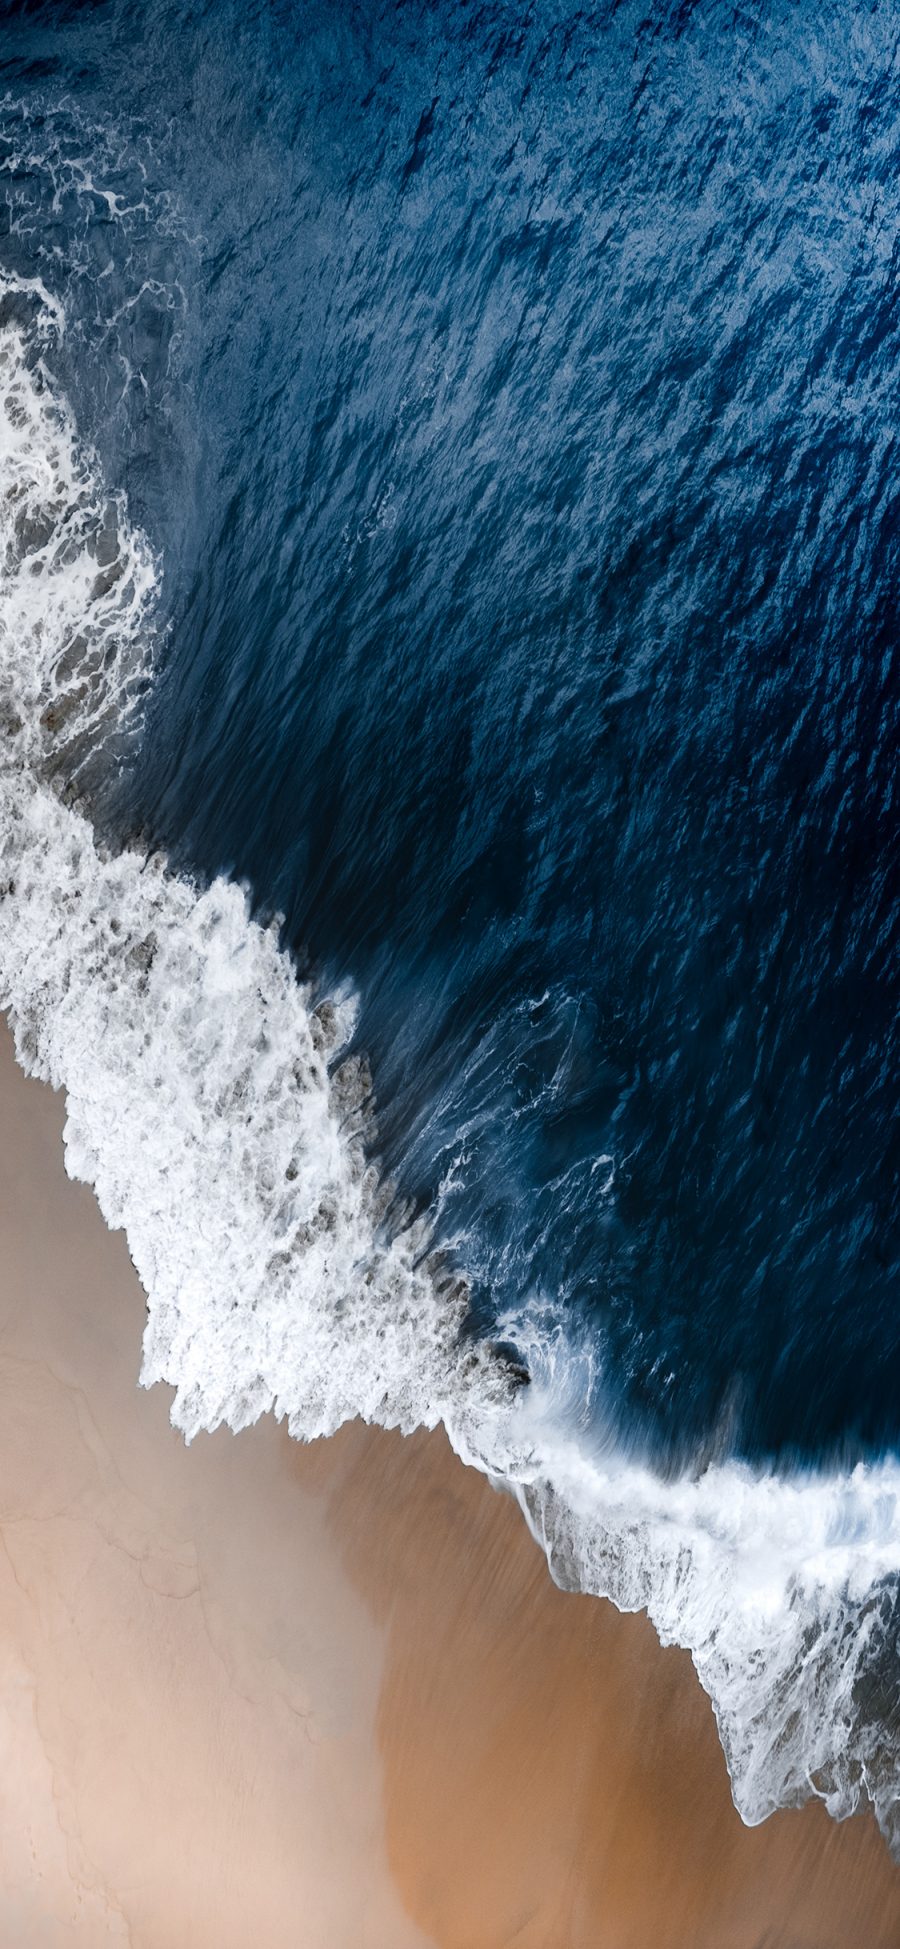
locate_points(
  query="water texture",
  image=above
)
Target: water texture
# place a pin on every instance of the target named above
(490, 415)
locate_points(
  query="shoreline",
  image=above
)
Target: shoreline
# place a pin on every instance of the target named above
(329, 1697)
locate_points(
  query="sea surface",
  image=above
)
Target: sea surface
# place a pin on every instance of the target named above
(450, 493)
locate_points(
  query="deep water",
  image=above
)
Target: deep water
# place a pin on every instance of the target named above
(511, 397)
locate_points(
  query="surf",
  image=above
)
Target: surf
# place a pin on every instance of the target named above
(212, 1106)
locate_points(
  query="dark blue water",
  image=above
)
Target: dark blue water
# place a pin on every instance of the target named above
(512, 395)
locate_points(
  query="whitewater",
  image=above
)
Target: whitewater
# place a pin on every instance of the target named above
(213, 1108)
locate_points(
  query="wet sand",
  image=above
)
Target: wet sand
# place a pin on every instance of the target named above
(327, 1698)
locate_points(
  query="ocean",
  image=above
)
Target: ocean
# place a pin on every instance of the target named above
(449, 500)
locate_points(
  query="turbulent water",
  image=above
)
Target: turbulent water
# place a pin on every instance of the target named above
(448, 835)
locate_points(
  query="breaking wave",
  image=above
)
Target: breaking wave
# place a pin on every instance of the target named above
(205, 1104)
(209, 1106)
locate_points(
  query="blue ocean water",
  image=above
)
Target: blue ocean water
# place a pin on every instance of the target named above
(511, 397)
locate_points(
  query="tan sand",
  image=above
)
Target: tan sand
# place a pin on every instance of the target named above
(188, 1680)
(554, 1778)
(267, 1697)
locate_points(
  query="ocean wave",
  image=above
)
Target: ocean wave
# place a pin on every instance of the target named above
(208, 1105)
(205, 1104)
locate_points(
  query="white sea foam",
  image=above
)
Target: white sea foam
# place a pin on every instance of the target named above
(203, 1102)
(206, 1106)
(783, 1589)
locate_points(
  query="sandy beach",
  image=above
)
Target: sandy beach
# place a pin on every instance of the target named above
(328, 1698)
